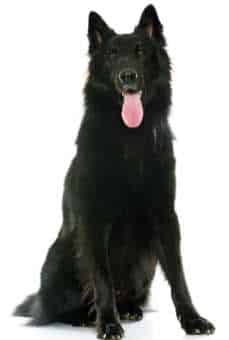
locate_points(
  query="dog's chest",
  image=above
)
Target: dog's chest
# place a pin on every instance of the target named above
(134, 161)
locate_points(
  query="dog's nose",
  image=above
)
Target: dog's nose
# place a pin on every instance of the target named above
(127, 76)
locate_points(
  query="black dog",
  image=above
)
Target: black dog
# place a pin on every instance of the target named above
(118, 205)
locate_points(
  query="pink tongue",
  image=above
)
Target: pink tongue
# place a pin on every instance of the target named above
(132, 110)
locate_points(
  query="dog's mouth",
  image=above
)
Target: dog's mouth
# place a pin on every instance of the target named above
(132, 109)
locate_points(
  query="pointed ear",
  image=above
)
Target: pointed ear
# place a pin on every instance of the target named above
(98, 32)
(151, 25)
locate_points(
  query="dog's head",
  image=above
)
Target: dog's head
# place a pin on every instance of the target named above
(130, 67)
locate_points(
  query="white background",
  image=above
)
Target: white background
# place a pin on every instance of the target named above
(43, 64)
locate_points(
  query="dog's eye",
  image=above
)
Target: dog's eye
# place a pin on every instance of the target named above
(139, 50)
(113, 51)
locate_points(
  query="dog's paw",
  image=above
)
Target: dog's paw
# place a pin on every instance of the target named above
(132, 313)
(88, 323)
(110, 331)
(196, 325)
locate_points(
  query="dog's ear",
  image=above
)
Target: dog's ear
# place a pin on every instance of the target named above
(151, 25)
(98, 32)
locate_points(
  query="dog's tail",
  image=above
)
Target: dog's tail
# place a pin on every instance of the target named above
(32, 307)
(26, 307)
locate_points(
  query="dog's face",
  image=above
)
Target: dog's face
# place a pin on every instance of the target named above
(123, 64)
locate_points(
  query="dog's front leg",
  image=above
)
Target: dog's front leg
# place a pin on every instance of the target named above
(171, 262)
(108, 321)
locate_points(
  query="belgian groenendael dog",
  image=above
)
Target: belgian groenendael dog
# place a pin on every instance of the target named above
(119, 219)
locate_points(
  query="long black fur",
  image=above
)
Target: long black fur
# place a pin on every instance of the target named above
(119, 219)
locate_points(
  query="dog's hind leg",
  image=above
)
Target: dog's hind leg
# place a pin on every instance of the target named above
(131, 307)
(60, 291)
